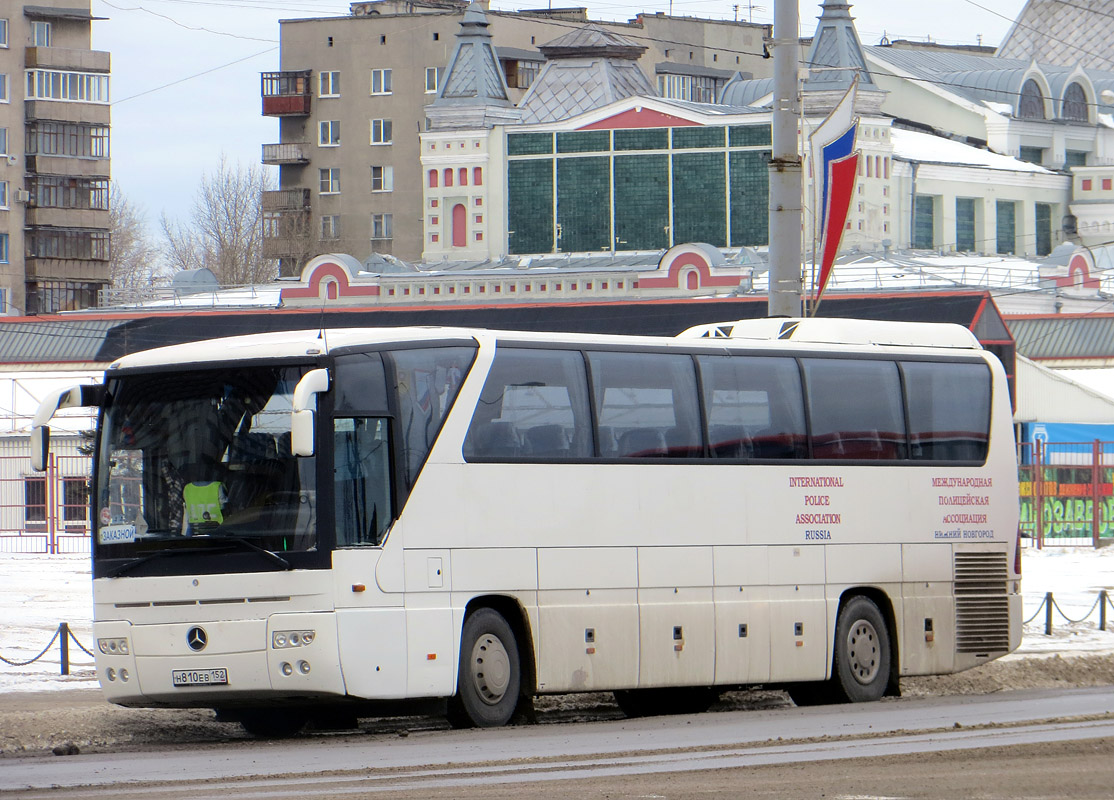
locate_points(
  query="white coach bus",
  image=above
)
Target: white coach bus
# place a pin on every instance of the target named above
(289, 523)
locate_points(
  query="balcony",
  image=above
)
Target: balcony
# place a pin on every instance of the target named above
(286, 200)
(286, 94)
(67, 59)
(286, 153)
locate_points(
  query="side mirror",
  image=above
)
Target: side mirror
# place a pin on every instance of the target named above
(312, 384)
(72, 397)
(40, 447)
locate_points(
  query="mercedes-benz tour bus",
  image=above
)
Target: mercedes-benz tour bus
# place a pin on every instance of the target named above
(291, 522)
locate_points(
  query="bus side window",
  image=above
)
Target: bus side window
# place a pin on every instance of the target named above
(427, 380)
(361, 480)
(648, 401)
(534, 404)
(754, 407)
(949, 410)
(870, 428)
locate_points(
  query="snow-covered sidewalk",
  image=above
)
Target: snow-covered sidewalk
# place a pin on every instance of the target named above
(38, 592)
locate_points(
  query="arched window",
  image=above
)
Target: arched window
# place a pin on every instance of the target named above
(462, 176)
(460, 224)
(1032, 101)
(477, 176)
(448, 176)
(1075, 103)
(433, 179)
(692, 280)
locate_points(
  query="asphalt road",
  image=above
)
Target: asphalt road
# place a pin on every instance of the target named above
(1012, 744)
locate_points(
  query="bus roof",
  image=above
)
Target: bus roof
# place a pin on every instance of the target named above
(773, 333)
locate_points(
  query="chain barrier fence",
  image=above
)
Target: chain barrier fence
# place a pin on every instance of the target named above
(63, 637)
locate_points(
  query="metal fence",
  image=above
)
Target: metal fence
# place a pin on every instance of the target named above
(45, 512)
(1067, 492)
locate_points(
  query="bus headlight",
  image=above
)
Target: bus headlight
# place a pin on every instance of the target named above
(113, 647)
(281, 640)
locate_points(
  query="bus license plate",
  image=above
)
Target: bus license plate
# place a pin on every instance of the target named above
(199, 677)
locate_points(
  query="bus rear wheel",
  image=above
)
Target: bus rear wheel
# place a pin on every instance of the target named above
(862, 652)
(490, 675)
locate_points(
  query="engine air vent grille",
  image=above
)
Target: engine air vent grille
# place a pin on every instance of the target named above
(982, 616)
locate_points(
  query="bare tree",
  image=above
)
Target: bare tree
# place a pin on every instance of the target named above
(134, 261)
(225, 230)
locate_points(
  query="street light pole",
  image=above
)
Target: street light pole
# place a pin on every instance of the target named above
(785, 168)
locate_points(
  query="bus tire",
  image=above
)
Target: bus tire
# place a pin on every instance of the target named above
(490, 675)
(861, 669)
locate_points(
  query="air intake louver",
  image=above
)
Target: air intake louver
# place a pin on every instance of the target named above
(982, 618)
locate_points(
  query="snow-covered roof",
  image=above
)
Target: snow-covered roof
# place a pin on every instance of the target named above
(924, 147)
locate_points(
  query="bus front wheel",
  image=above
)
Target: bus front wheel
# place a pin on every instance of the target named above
(490, 673)
(862, 652)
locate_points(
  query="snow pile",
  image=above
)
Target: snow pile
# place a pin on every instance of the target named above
(37, 592)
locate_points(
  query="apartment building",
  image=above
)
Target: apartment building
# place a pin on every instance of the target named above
(54, 158)
(351, 93)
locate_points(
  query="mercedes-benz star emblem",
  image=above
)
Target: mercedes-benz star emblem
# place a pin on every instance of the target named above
(196, 638)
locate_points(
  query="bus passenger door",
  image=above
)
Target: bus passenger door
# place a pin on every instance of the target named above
(676, 617)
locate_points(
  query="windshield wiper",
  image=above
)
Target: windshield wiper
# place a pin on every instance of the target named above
(128, 566)
(226, 543)
(271, 556)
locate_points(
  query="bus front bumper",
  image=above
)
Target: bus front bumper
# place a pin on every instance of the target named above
(230, 662)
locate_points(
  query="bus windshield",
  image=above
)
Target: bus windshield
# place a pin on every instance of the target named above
(201, 459)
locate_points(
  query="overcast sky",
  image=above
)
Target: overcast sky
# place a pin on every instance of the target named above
(185, 73)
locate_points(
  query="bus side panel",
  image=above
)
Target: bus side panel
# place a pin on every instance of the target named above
(742, 614)
(676, 617)
(799, 628)
(373, 651)
(587, 618)
(928, 603)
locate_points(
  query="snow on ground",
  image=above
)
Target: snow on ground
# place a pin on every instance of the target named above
(37, 592)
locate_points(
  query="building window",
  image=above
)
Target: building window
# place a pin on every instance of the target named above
(67, 191)
(433, 180)
(965, 224)
(1032, 155)
(4, 194)
(462, 176)
(382, 226)
(432, 80)
(67, 139)
(923, 222)
(1086, 184)
(1075, 158)
(328, 84)
(380, 131)
(328, 133)
(330, 181)
(1031, 105)
(1005, 226)
(477, 176)
(1106, 184)
(3, 248)
(382, 179)
(698, 89)
(380, 81)
(40, 34)
(272, 224)
(75, 499)
(448, 176)
(82, 87)
(520, 74)
(5, 89)
(34, 499)
(1075, 104)
(4, 142)
(1043, 228)
(330, 226)
(77, 244)
(479, 219)
(3, 32)
(48, 297)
